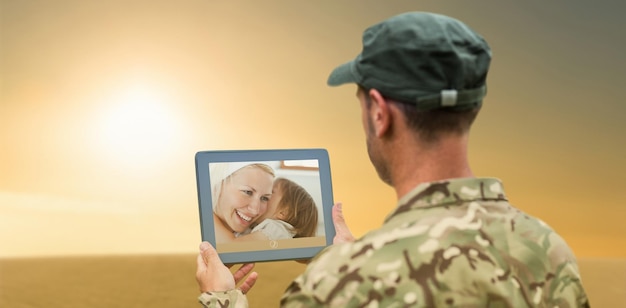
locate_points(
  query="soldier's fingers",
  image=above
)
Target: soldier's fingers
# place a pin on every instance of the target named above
(209, 255)
(201, 264)
(303, 261)
(212, 275)
(243, 271)
(342, 233)
(249, 282)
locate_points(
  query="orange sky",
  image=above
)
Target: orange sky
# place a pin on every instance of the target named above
(103, 105)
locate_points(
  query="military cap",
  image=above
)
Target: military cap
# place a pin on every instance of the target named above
(430, 60)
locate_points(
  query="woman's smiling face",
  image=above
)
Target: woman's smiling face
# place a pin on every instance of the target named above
(244, 197)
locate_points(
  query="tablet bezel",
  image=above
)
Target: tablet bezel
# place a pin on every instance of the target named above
(202, 161)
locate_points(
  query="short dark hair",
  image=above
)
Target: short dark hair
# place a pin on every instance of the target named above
(431, 123)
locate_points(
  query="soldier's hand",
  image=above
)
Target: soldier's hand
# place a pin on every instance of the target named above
(342, 233)
(213, 275)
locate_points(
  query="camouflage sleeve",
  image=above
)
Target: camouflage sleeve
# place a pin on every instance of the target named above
(296, 297)
(227, 299)
(310, 289)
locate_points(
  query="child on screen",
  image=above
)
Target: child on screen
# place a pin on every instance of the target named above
(291, 213)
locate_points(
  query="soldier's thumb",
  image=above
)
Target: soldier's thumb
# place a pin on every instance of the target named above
(342, 232)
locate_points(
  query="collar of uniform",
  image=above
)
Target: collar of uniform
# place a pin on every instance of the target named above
(450, 193)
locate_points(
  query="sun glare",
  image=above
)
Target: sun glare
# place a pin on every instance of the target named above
(139, 126)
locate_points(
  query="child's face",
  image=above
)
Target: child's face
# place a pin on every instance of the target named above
(272, 205)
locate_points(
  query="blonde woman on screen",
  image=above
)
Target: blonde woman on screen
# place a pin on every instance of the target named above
(240, 193)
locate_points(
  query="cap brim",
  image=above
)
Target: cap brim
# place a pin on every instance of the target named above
(343, 74)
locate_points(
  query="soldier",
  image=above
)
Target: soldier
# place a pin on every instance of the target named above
(453, 240)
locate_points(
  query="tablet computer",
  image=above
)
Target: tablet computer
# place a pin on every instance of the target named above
(265, 205)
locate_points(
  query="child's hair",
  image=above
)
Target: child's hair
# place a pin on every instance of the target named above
(298, 208)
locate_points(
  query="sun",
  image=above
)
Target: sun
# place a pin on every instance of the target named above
(138, 125)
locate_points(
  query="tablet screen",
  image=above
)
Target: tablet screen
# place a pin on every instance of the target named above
(264, 205)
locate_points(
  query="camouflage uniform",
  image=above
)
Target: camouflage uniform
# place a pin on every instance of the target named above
(230, 299)
(456, 243)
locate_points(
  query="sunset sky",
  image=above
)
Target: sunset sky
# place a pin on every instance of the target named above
(103, 105)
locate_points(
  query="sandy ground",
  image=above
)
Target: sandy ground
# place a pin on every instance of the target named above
(168, 281)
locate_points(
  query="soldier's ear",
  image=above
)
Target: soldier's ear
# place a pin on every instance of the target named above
(379, 113)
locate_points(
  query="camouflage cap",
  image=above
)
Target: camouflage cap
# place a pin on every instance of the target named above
(428, 59)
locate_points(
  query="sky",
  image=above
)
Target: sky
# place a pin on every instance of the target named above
(103, 105)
